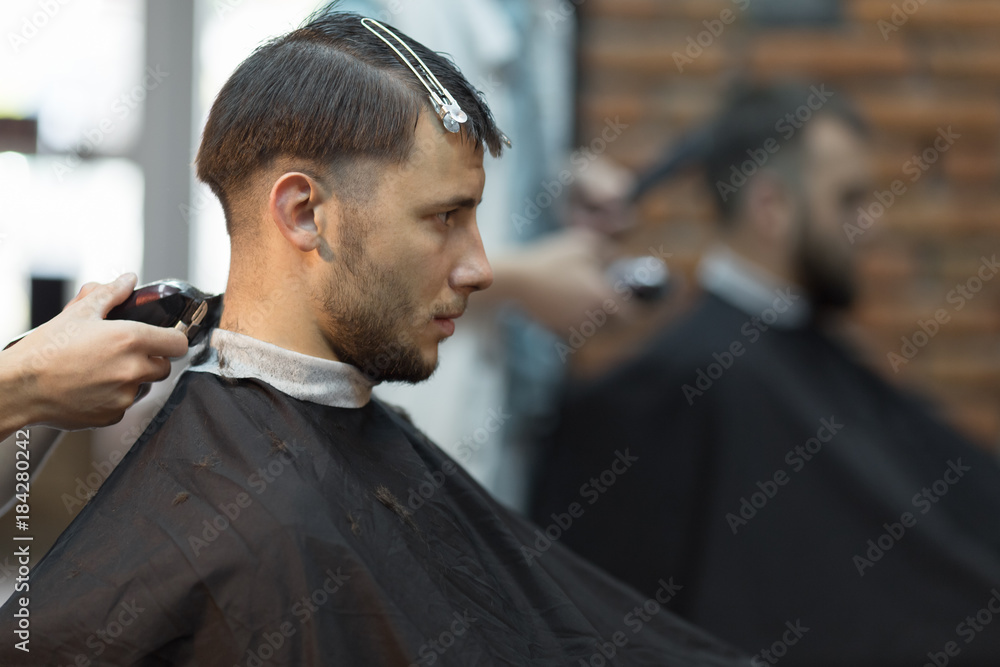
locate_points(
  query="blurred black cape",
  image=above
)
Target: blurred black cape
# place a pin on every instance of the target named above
(794, 558)
(246, 527)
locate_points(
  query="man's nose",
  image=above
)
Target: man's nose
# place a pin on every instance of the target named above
(473, 272)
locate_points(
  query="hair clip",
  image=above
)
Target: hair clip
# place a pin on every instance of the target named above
(448, 110)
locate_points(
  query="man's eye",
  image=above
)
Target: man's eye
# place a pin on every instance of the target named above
(444, 217)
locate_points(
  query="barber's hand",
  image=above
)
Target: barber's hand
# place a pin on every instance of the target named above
(79, 370)
(560, 279)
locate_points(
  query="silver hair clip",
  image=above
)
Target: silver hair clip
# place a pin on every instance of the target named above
(447, 108)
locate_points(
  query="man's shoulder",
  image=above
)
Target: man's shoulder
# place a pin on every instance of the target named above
(225, 469)
(709, 326)
(714, 350)
(204, 402)
(213, 441)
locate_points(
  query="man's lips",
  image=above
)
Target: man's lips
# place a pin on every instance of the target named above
(447, 322)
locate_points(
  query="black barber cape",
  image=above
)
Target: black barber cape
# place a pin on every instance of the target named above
(247, 527)
(809, 509)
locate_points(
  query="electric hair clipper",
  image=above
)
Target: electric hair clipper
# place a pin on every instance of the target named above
(168, 303)
(172, 303)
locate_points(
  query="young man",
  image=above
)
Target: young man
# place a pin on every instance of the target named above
(274, 513)
(782, 479)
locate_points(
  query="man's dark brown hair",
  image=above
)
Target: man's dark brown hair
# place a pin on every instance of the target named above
(332, 95)
(754, 114)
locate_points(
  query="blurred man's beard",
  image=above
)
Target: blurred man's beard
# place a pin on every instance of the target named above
(828, 278)
(368, 321)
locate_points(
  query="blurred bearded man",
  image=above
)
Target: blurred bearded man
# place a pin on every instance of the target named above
(274, 513)
(819, 515)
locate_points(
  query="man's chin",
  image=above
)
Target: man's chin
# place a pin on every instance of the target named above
(415, 375)
(833, 296)
(832, 286)
(413, 368)
(430, 366)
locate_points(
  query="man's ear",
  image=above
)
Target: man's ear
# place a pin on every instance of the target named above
(302, 209)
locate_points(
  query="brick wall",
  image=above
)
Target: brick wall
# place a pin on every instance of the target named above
(940, 68)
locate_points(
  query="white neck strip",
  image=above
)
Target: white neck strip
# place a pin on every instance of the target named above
(752, 289)
(307, 378)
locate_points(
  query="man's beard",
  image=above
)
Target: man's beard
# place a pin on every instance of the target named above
(829, 282)
(369, 317)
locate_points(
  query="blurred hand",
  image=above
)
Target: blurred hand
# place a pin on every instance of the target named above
(79, 370)
(557, 280)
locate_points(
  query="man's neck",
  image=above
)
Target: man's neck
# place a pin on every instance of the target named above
(762, 258)
(273, 315)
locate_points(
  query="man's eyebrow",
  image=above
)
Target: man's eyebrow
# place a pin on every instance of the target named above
(460, 201)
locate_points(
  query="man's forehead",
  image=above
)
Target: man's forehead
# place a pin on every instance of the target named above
(832, 138)
(449, 194)
(441, 164)
(836, 148)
